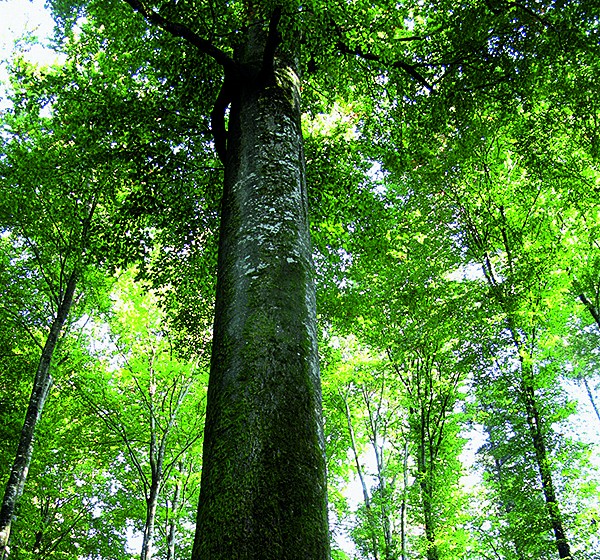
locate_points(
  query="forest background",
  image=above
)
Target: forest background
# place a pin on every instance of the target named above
(454, 209)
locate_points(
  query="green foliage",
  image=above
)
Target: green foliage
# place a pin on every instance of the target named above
(441, 139)
(121, 388)
(151, 403)
(70, 506)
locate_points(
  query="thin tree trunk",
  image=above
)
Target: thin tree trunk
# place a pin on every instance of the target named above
(426, 493)
(39, 393)
(533, 419)
(363, 483)
(148, 534)
(157, 458)
(386, 525)
(263, 488)
(543, 464)
(172, 524)
(594, 312)
(403, 503)
(425, 484)
(45, 520)
(591, 397)
(388, 537)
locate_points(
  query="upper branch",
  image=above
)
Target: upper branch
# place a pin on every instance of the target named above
(398, 64)
(273, 40)
(180, 30)
(590, 307)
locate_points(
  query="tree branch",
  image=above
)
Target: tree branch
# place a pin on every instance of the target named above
(180, 30)
(398, 64)
(217, 116)
(273, 40)
(590, 307)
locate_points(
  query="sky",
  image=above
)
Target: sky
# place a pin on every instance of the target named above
(18, 18)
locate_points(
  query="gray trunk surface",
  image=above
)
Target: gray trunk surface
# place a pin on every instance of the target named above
(543, 463)
(263, 490)
(148, 534)
(172, 522)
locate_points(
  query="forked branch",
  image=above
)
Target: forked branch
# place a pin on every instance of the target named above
(273, 40)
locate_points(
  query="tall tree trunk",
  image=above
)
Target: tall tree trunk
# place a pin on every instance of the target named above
(590, 396)
(363, 483)
(426, 487)
(148, 534)
(594, 312)
(172, 521)
(263, 488)
(403, 551)
(156, 457)
(39, 393)
(45, 521)
(543, 464)
(531, 409)
(386, 523)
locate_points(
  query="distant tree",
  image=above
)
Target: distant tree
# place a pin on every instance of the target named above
(47, 221)
(152, 404)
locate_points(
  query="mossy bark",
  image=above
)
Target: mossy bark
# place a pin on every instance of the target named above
(263, 492)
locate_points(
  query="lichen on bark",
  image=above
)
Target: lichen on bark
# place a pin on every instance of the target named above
(263, 489)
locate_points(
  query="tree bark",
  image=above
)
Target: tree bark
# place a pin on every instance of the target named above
(594, 312)
(425, 484)
(591, 397)
(403, 549)
(39, 393)
(157, 453)
(541, 454)
(263, 488)
(148, 534)
(363, 483)
(172, 521)
(386, 522)
(378, 451)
